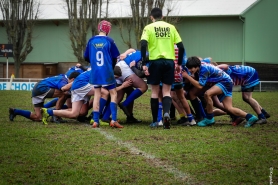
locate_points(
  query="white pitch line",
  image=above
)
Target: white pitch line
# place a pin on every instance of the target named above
(155, 161)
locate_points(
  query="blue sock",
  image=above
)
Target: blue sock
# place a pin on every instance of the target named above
(248, 116)
(102, 103)
(64, 106)
(261, 116)
(189, 117)
(203, 113)
(107, 113)
(50, 112)
(135, 94)
(24, 113)
(113, 107)
(159, 115)
(96, 116)
(209, 116)
(51, 103)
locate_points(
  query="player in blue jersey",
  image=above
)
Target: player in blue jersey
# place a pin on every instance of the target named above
(247, 77)
(81, 92)
(56, 86)
(221, 85)
(77, 68)
(102, 52)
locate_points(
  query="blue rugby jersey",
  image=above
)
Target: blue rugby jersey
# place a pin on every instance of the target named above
(134, 56)
(55, 82)
(243, 75)
(210, 75)
(81, 80)
(101, 50)
(73, 69)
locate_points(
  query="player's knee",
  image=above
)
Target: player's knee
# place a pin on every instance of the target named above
(207, 95)
(36, 117)
(246, 99)
(83, 113)
(144, 88)
(73, 115)
(105, 94)
(229, 109)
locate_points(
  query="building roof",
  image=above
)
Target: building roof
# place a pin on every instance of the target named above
(56, 9)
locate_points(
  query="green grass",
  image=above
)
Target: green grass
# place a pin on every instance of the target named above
(74, 153)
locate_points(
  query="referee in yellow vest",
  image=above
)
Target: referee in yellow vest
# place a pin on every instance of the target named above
(159, 37)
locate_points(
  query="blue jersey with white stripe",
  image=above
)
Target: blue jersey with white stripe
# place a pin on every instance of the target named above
(81, 80)
(243, 75)
(55, 82)
(101, 50)
(210, 75)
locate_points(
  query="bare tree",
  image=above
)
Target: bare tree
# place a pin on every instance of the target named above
(96, 11)
(140, 10)
(126, 31)
(83, 14)
(80, 15)
(19, 18)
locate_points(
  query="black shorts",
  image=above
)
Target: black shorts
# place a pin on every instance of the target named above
(161, 70)
(250, 89)
(177, 86)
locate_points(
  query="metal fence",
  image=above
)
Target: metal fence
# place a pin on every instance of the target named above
(20, 79)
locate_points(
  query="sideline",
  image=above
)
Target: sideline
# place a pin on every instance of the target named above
(152, 159)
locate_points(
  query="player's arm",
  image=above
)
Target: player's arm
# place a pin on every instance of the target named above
(194, 82)
(66, 87)
(114, 53)
(124, 85)
(138, 72)
(223, 66)
(83, 68)
(114, 61)
(144, 45)
(86, 54)
(123, 55)
(181, 52)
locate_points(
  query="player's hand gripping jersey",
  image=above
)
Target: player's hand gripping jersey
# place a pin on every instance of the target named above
(210, 75)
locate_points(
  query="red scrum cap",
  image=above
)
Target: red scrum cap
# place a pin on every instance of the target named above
(104, 26)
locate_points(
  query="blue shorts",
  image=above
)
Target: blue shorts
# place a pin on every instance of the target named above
(227, 88)
(251, 82)
(108, 87)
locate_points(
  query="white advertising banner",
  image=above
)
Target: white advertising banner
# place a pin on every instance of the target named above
(18, 86)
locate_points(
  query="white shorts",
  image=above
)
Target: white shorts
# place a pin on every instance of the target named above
(81, 93)
(126, 71)
(40, 98)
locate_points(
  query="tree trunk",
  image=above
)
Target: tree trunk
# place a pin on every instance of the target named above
(17, 68)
